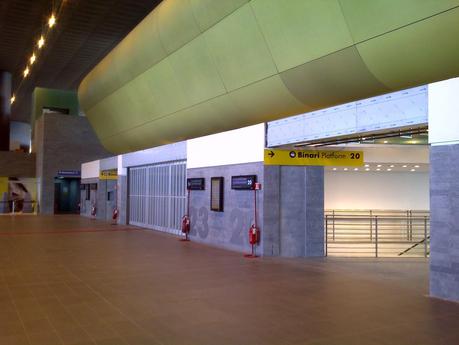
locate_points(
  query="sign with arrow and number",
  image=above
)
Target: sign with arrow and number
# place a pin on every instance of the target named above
(317, 157)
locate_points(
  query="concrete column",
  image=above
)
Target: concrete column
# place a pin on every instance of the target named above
(444, 223)
(294, 211)
(5, 110)
(122, 192)
(444, 189)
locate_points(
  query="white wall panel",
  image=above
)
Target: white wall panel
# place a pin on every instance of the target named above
(377, 191)
(90, 169)
(444, 112)
(244, 145)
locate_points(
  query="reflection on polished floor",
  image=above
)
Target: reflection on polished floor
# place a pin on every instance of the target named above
(70, 280)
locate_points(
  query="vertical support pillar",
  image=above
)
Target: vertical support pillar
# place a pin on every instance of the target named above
(314, 211)
(5, 110)
(444, 189)
(296, 197)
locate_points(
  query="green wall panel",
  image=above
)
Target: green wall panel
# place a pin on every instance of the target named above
(176, 33)
(196, 71)
(415, 54)
(239, 32)
(265, 100)
(298, 31)
(210, 12)
(197, 67)
(370, 18)
(324, 82)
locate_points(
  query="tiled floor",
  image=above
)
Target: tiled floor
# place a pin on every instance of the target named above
(70, 280)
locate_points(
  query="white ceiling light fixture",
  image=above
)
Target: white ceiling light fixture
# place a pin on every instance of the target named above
(41, 42)
(52, 21)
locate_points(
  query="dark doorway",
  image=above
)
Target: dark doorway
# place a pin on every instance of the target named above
(66, 195)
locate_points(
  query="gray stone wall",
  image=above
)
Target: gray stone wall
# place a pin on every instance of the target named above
(17, 164)
(227, 229)
(294, 211)
(444, 223)
(122, 191)
(86, 205)
(62, 142)
(290, 210)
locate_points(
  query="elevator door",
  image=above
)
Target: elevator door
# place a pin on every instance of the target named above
(157, 196)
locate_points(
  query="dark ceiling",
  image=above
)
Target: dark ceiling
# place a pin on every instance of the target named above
(86, 31)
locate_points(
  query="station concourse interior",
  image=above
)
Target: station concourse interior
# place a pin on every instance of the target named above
(229, 172)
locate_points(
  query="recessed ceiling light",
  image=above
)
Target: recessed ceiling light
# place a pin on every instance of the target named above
(389, 169)
(51, 21)
(413, 169)
(392, 166)
(41, 42)
(26, 72)
(379, 165)
(385, 141)
(32, 59)
(13, 98)
(356, 169)
(346, 169)
(416, 166)
(334, 169)
(367, 169)
(378, 169)
(405, 166)
(367, 165)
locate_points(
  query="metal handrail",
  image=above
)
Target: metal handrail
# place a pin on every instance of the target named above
(13, 202)
(376, 232)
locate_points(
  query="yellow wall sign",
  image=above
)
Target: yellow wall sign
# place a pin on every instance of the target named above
(108, 174)
(318, 157)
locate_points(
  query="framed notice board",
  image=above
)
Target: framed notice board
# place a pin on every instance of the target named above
(216, 194)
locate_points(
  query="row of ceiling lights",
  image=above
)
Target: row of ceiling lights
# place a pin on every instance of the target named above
(40, 43)
(379, 168)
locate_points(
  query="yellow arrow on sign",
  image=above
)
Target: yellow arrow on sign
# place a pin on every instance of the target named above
(317, 157)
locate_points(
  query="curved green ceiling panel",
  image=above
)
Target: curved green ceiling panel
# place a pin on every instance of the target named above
(298, 31)
(239, 32)
(210, 12)
(324, 81)
(196, 67)
(415, 54)
(369, 18)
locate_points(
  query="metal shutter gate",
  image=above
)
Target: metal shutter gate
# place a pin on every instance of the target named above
(157, 196)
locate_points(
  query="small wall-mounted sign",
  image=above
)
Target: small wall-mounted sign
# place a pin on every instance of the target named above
(69, 173)
(195, 183)
(111, 174)
(243, 182)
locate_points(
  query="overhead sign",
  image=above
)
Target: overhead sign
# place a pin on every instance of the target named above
(69, 173)
(317, 157)
(111, 174)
